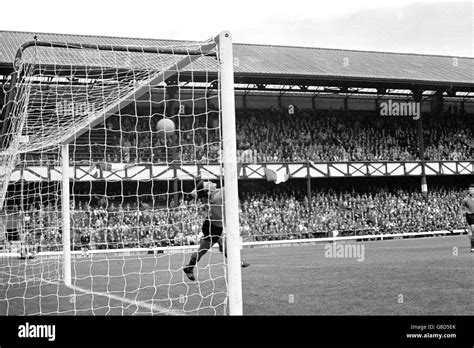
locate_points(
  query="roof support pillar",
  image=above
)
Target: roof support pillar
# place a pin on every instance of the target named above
(418, 98)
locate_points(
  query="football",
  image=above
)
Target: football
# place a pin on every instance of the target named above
(166, 125)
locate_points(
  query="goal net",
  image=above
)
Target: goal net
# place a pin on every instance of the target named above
(96, 212)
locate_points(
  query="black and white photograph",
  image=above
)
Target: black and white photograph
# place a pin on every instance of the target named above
(193, 171)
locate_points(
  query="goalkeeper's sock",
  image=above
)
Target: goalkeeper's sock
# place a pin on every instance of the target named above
(193, 260)
(188, 270)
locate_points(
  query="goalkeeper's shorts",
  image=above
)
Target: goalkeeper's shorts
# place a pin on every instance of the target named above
(211, 232)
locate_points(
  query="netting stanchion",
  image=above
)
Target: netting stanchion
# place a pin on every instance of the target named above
(66, 214)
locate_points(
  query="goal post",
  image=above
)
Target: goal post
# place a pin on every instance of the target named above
(230, 172)
(75, 111)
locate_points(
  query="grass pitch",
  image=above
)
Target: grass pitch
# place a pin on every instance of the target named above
(420, 276)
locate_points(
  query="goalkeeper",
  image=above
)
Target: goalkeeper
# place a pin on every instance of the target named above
(212, 226)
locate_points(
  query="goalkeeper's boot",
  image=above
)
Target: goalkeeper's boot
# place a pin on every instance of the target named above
(188, 270)
(244, 264)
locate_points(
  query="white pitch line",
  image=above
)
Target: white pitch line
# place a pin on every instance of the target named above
(151, 307)
(370, 246)
(360, 265)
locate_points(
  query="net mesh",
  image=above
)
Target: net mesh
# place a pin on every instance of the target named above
(129, 184)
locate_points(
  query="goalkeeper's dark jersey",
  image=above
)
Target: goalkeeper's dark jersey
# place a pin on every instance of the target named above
(214, 214)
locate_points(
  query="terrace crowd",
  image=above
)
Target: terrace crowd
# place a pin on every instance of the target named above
(263, 216)
(336, 136)
(284, 217)
(272, 135)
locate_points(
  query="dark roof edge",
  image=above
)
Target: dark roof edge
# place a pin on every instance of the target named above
(352, 78)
